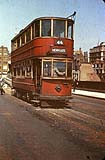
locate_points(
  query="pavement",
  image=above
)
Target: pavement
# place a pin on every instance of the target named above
(7, 90)
(89, 93)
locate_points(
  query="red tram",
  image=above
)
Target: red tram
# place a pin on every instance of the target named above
(41, 60)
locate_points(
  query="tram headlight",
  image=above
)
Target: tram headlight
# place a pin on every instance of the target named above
(58, 88)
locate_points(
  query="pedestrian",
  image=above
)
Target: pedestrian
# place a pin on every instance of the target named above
(1, 87)
(75, 83)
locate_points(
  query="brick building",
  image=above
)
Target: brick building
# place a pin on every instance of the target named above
(4, 58)
(97, 58)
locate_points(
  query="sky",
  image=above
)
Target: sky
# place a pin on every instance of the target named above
(89, 28)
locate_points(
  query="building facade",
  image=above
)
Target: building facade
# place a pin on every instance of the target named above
(79, 58)
(4, 58)
(97, 58)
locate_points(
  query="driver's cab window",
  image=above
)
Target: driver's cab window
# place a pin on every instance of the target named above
(59, 69)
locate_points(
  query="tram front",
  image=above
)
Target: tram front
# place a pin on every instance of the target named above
(56, 62)
(56, 80)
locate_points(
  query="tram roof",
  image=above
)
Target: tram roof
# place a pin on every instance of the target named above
(63, 18)
(41, 18)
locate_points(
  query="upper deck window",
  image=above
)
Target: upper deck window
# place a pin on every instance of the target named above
(33, 31)
(28, 35)
(23, 39)
(59, 28)
(46, 27)
(18, 42)
(37, 28)
(52, 27)
(70, 29)
(14, 45)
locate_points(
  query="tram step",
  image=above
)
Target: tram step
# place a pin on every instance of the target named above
(35, 101)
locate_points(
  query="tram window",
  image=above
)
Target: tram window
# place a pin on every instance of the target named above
(69, 69)
(28, 71)
(14, 72)
(18, 42)
(37, 28)
(59, 28)
(23, 71)
(46, 69)
(59, 69)
(70, 30)
(46, 27)
(18, 71)
(33, 29)
(14, 45)
(28, 35)
(23, 39)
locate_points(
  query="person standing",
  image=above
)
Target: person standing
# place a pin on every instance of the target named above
(1, 87)
(75, 83)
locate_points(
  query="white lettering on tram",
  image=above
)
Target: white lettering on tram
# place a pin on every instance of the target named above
(58, 50)
(60, 42)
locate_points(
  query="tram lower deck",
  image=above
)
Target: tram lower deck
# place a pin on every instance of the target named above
(48, 79)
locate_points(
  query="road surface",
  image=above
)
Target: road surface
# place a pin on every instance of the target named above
(73, 133)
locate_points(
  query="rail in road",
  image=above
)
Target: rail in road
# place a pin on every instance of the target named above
(83, 120)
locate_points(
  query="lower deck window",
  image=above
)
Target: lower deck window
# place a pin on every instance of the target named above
(57, 69)
(14, 72)
(47, 69)
(23, 70)
(28, 71)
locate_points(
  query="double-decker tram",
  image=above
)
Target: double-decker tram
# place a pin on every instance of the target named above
(41, 60)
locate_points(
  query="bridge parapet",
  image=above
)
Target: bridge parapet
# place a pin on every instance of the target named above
(92, 85)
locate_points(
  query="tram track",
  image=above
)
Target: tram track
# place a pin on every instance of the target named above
(80, 120)
(75, 130)
(76, 117)
(78, 111)
(84, 123)
(76, 123)
(90, 106)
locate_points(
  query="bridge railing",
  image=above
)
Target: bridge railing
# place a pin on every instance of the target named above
(92, 85)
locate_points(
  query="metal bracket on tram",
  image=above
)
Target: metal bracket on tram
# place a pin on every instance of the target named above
(72, 16)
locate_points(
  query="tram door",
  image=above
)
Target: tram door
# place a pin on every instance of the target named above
(37, 75)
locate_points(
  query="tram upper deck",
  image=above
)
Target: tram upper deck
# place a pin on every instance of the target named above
(44, 36)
